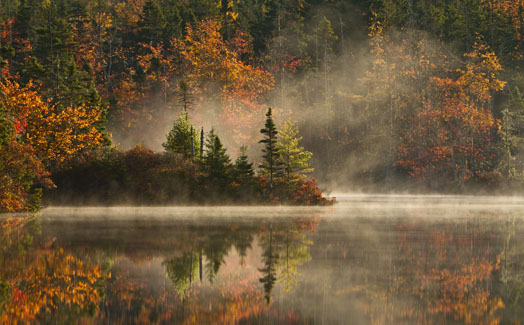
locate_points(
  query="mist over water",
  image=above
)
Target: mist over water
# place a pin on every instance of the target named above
(370, 258)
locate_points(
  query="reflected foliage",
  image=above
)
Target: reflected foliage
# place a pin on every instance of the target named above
(39, 280)
(181, 271)
(402, 269)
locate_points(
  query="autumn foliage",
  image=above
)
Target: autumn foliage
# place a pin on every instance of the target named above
(54, 132)
(452, 133)
(215, 72)
(38, 135)
(37, 278)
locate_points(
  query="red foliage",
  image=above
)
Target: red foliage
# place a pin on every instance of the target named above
(309, 193)
(20, 170)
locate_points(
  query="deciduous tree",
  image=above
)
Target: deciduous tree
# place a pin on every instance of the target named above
(294, 158)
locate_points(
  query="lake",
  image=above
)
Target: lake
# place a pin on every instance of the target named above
(367, 260)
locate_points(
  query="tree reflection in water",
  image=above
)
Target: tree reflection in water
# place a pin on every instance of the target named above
(448, 269)
(39, 280)
(273, 269)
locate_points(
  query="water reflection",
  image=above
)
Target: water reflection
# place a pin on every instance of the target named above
(408, 266)
(39, 280)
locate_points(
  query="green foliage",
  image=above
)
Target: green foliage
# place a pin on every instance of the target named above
(6, 130)
(5, 293)
(51, 60)
(152, 23)
(295, 253)
(243, 169)
(183, 137)
(512, 135)
(111, 176)
(271, 166)
(269, 270)
(184, 96)
(216, 164)
(244, 176)
(182, 271)
(294, 158)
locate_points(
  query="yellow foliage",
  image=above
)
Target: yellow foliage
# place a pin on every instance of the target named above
(55, 133)
(42, 278)
(210, 58)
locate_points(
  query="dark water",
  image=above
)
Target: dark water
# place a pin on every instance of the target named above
(367, 260)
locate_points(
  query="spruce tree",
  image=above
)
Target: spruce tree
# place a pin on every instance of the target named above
(271, 165)
(202, 142)
(184, 96)
(181, 139)
(152, 23)
(216, 163)
(244, 176)
(52, 63)
(269, 270)
(243, 168)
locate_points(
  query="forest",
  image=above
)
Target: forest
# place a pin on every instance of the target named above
(114, 101)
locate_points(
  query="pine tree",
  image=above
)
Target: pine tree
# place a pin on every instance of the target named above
(271, 165)
(243, 168)
(202, 142)
(53, 59)
(244, 175)
(181, 139)
(512, 136)
(216, 163)
(184, 96)
(268, 278)
(152, 23)
(293, 157)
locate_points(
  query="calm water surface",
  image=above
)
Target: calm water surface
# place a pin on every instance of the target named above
(367, 260)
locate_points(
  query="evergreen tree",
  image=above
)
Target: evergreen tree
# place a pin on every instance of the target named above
(53, 63)
(243, 168)
(216, 163)
(174, 22)
(184, 96)
(202, 142)
(269, 278)
(152, 23)
(244, 175)
(512, 136)
(293, 157)
(181, 139)
(271, 165)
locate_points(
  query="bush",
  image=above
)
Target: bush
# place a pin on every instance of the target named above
(137, 176)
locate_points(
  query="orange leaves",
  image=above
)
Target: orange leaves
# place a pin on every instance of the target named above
(512, 9)
(43, 134)
(54, 133)
(308, 193)
(210, 58)
(462, 293)
(449, 272)
(19, 168)
(480, 75)
(215, 71)
(451, 131)
(40, 278)
(61, 134)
